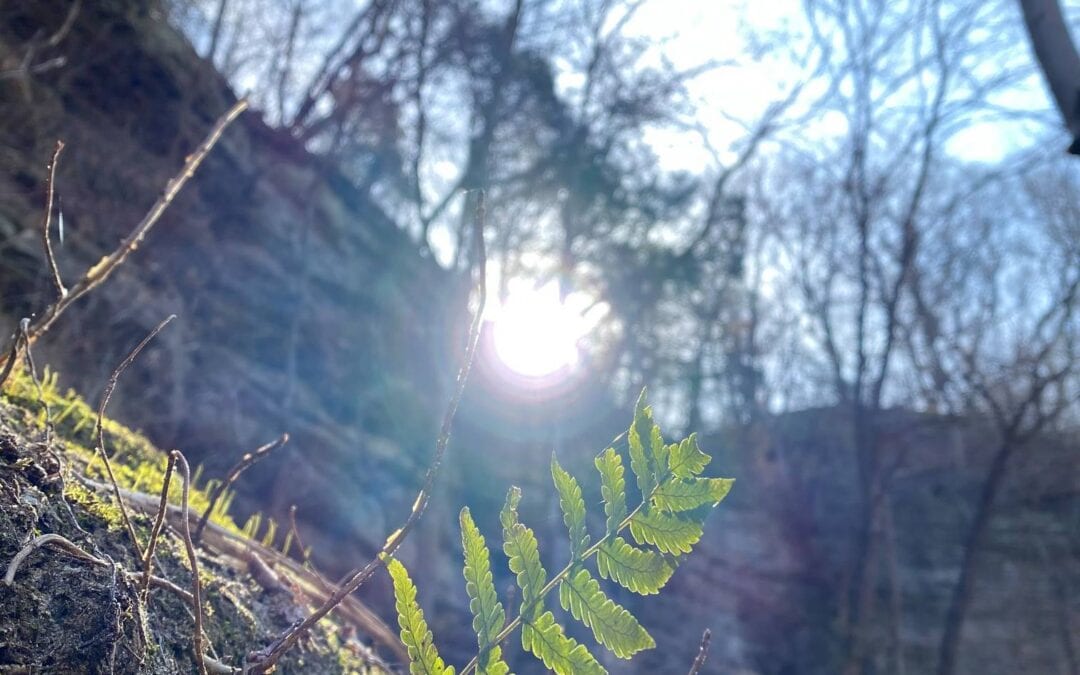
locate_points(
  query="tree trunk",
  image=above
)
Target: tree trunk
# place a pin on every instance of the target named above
(965, 583)
(1058, 59)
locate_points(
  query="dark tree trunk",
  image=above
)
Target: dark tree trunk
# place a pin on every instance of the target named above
(965, 582)
(1058, 59)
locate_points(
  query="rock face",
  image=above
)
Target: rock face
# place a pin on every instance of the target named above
(769, 575)
(301, 306)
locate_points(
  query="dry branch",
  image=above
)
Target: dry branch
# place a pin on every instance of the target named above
(38, 542)
(164, 584)
(703, 653)
(99, 430)
(307, 581)
(265, 660)
(196, 584)
(249, 459)
(101, 271)
(305, 552)
(13, 353)
(46, 222)
(159, 520)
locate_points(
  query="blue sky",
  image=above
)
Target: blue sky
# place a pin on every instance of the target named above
(697, 30)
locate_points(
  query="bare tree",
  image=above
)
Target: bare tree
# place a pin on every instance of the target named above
(1008, 358)
(848, 214)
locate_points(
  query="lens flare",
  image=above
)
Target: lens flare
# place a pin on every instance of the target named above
(535, 333)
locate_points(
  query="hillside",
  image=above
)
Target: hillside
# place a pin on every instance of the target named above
(301, 307)
(62, 612)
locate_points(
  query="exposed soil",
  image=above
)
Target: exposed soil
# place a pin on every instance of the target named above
(63, 614)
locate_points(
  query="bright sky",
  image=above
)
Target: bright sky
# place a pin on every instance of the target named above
(534, 333)
(715, 29)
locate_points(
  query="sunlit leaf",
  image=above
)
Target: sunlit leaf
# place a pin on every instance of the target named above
(685, 494)
(686, 459)
(573, 507)
(423, 657)
(643, 571)
(611, 624)
(641, 460)
(488, 614)
(519, 544)
(667, 532)
(545, 638)
(612, 488)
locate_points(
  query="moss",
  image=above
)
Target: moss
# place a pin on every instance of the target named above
(137, 464)
(107, 512)
(64, 615)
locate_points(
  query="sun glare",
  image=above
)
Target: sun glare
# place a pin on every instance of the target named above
(535, 333)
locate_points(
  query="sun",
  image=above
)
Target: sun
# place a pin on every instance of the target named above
(536, 333)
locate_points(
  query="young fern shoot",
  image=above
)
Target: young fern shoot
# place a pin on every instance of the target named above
(664, 526)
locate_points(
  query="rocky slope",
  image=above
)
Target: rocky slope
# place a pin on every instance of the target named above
(301, 306)
(62, 611)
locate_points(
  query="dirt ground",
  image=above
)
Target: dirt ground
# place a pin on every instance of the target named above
(64, 614)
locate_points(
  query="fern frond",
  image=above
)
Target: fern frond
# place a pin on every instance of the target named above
(642, 571)
(665, 531)
(573, 507)
(675, 500)
(519, 544)
(611, 624)
(489, 617)
(685, 494)
(545, 638)
(612, 488)
(686, 459)
(423, 658)
(642, 462)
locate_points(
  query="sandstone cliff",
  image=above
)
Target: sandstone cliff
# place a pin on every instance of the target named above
(301, 306)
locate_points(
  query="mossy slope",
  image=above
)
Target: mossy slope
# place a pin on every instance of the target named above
(64, 615)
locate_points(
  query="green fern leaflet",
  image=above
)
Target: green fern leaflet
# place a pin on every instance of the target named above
(666, 523)
(611, 624)
(488, 614)
(423, 659)
(643, 571)
(573, 507)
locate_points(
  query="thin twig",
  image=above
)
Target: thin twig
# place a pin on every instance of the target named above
(164, 584)
(305, 554)
(97, 274)
(263, 661)
(703, 653)
(248, 460)
(159, 520)
(13, 354)
(56, 540)
(27, 66)
(196, 585)
(216, 667)
(29, 355)
(294, 535)
(46, 221)
(99, 430)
